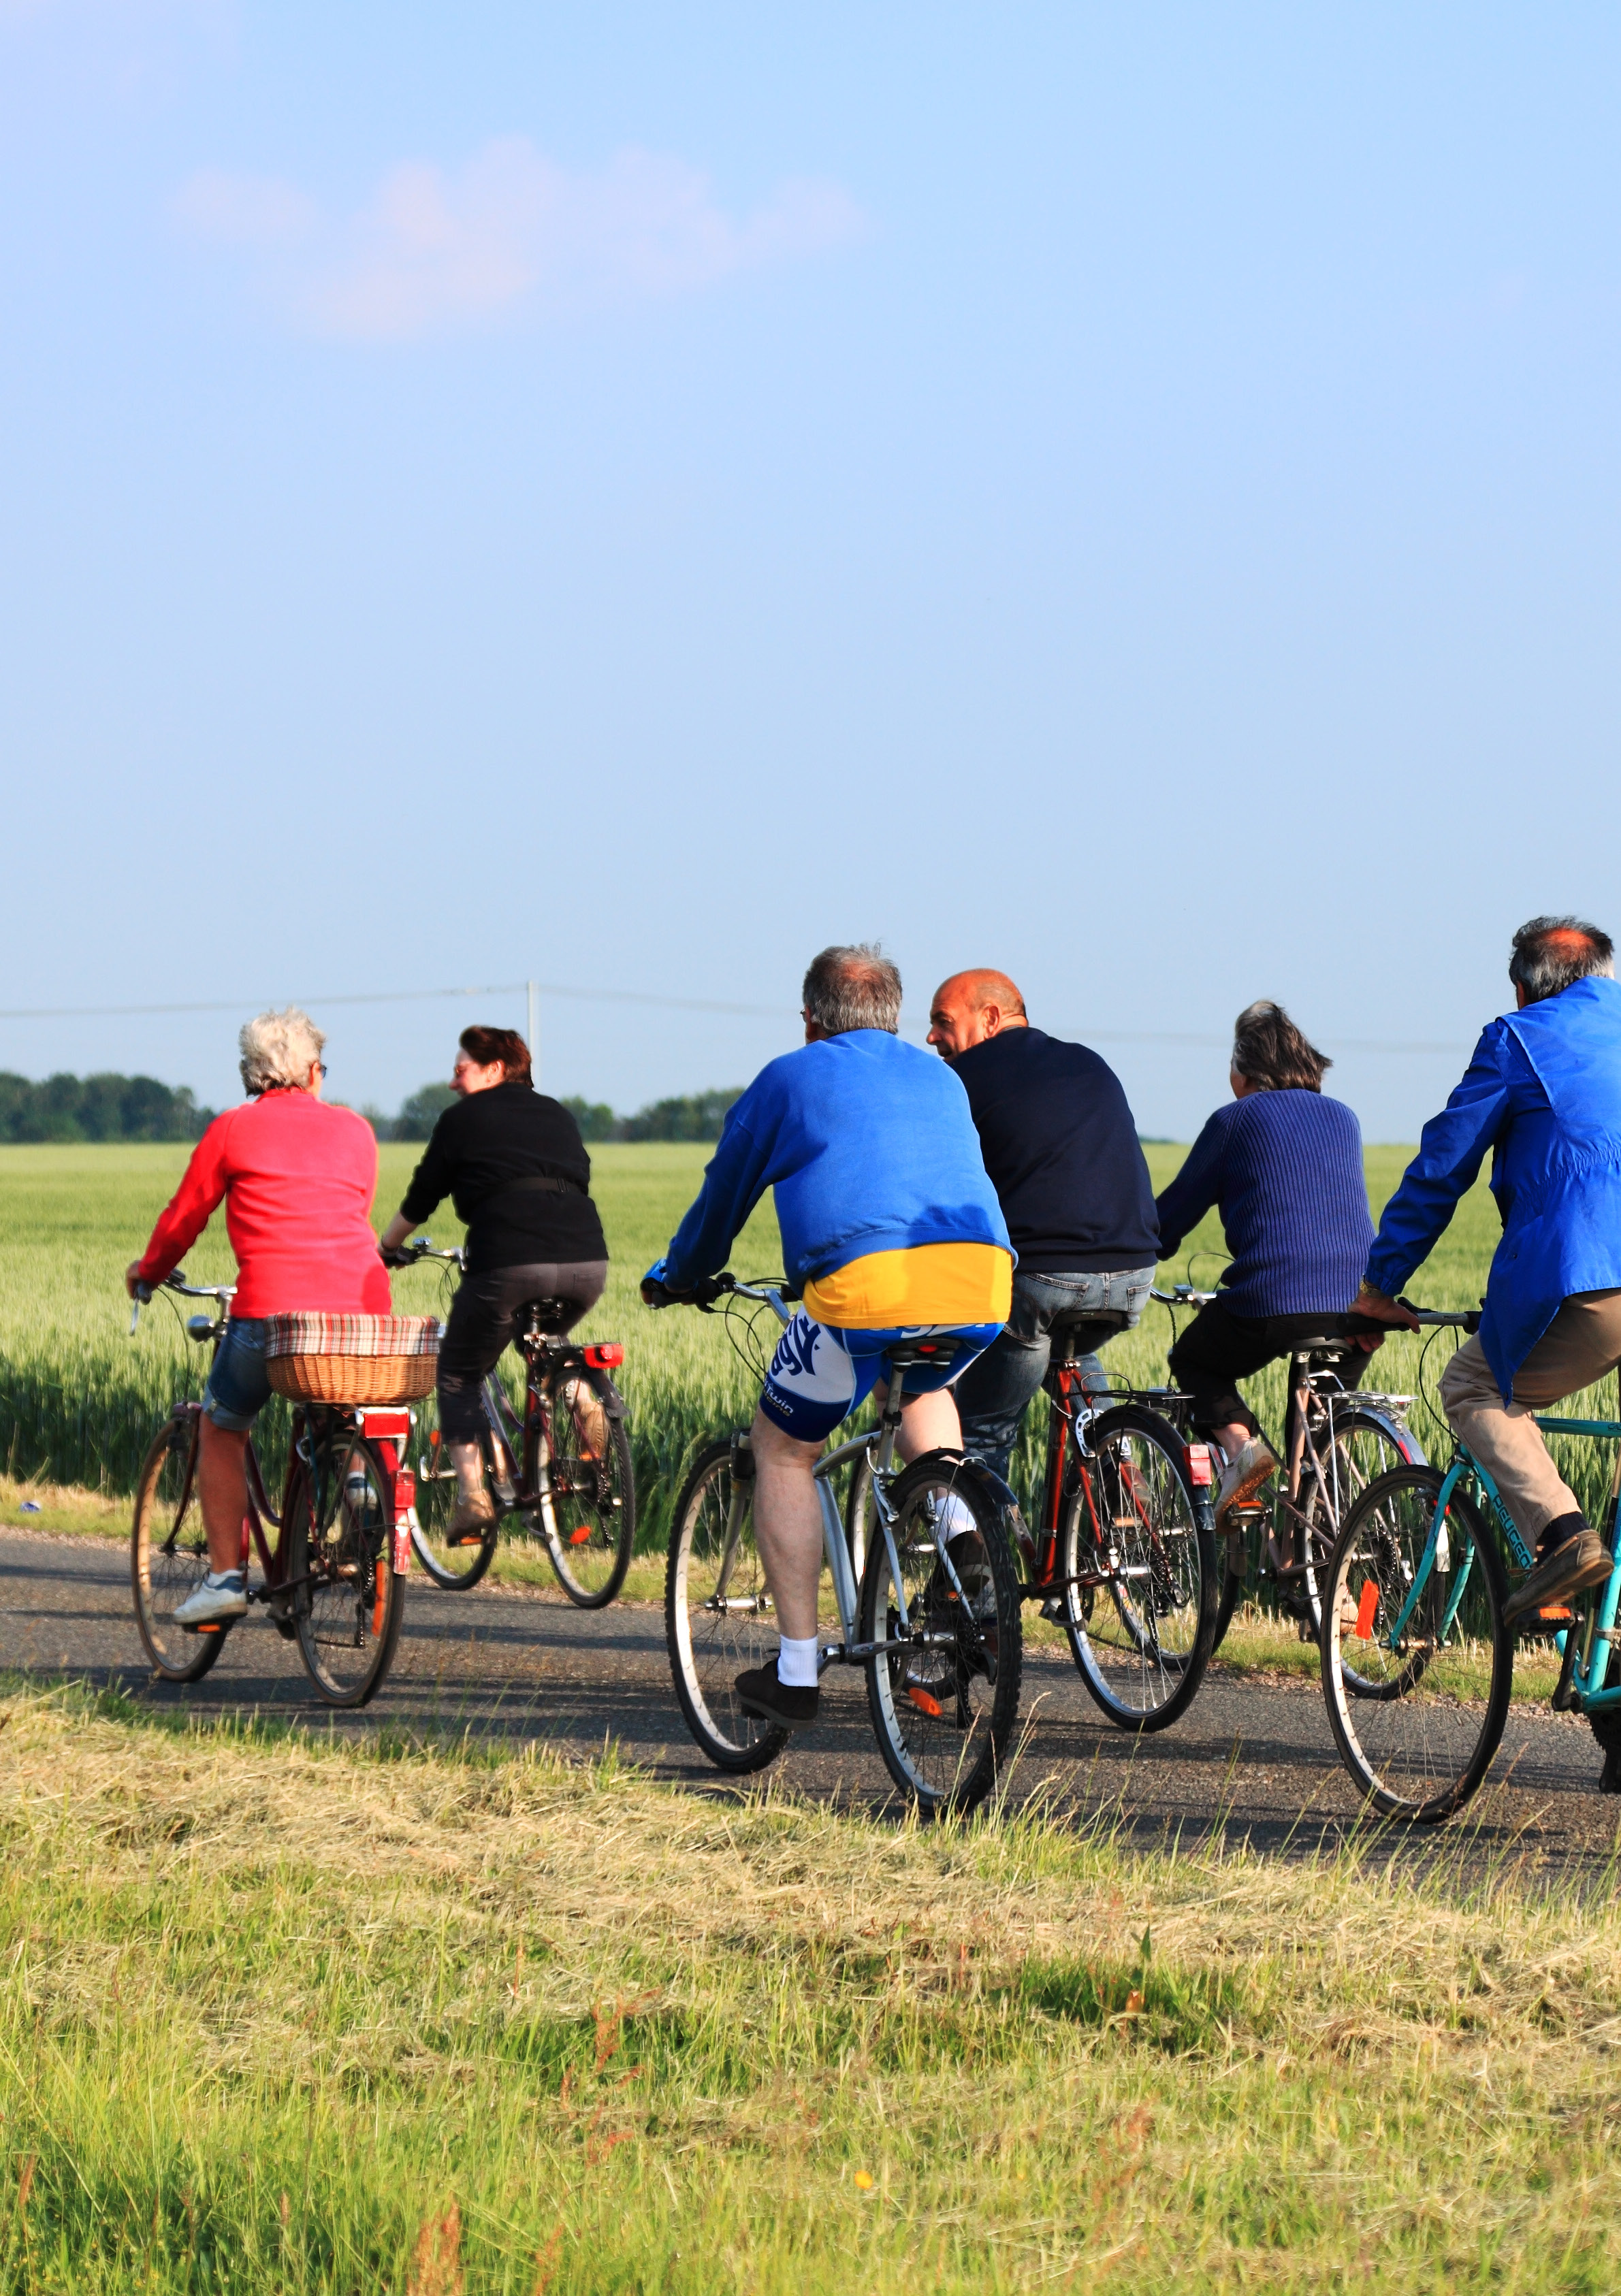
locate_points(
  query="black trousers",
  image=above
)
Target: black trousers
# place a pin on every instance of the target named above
(484, 1321)
(1219, 1347)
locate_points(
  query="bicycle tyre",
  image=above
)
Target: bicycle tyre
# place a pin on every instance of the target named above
(456, 1568)
(347, 1596)
(859, 1516)
(168, 1555)
(1419, 1732)
(593, 1500)
(964, 1657)
(1140, 1679)
(703, 1663)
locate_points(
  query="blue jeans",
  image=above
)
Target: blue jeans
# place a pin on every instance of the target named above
(239, 1385)
(993, 1392)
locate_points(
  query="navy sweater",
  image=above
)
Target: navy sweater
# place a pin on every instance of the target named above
(1061, 1149)
(1286, 1170)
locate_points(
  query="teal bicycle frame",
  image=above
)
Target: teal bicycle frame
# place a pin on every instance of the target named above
(1581, 1677)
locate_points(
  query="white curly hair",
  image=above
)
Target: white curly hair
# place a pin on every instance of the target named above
(279, 1048)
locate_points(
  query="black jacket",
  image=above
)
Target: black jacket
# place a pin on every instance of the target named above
(1061, 1148)
(478, 1149)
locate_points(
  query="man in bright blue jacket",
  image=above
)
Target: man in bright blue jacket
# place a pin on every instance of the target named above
(890, 1229)
(1543, 1093)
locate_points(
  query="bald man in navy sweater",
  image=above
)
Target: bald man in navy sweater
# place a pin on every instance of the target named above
(1060, 1145)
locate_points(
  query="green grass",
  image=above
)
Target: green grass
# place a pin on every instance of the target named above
(277, 2016)
(79, 1398)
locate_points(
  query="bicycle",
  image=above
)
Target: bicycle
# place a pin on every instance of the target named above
(933, 1618)
(1336, 1441)
(561, 1473)
(1418, 1659)
(1121, 1553)
(333, 1581)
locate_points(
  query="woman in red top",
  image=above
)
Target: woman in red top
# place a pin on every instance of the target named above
(297, 1180)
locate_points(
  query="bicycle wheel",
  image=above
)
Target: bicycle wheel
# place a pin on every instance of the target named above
(718, 1616)
(1232, 1568)
(168, 1555)
(943, 1690)
(436, 1494)
(859, 1515)
(1138, 1566)
(593, 1494)
(1421, 1727)
(346, 1600)
(1359, 1447)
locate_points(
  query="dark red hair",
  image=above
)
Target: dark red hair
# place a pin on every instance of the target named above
(487, 1046)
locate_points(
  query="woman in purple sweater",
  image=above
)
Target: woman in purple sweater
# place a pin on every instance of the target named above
(1284, 1166)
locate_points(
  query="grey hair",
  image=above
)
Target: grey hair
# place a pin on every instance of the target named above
(853, 988)
(279, 1048)
(1552, 952)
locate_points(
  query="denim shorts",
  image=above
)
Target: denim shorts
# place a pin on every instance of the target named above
(818, 1374)
(239, 1386)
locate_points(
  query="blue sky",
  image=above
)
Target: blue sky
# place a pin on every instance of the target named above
(626, 496)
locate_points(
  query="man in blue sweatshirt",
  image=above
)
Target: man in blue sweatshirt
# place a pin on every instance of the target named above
(1544, 1093)
(889, 1228)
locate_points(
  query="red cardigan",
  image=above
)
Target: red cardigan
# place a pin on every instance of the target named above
(298, 1179)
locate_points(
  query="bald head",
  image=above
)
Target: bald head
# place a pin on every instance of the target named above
(971, 1006)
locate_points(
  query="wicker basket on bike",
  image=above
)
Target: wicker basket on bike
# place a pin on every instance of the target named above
(352, 1359)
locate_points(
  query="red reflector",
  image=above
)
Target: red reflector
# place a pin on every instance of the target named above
(1199, 1463)
(405, 1490)
(924, 1702)
(579, 1538)
(604, 1355)
(1365, 1611)
(395, 1425)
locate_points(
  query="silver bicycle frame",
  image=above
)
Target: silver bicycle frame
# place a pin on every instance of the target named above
(879, 1445)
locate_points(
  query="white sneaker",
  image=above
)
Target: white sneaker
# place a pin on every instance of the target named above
(1243, 1477)
(213, 1600)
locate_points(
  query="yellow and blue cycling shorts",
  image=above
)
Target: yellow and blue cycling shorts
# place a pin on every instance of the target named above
(832, 1355)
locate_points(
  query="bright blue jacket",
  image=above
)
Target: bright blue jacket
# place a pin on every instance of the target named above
(1543, 1093)
(870, 1146)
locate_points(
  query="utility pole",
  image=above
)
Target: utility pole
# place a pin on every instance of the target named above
(534, 1031)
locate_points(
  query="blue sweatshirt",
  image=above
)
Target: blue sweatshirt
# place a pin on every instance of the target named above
(1544, 1093)
(1285, 1169)
(870, 1145)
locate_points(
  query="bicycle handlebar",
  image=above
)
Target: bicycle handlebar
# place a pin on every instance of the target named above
(144, 1293)
(407, 1255)
(1459, 1319)
(1182, 1295)
(703, 1294)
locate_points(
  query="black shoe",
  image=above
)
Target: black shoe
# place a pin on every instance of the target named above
(1575, 1563)
(760, 1694)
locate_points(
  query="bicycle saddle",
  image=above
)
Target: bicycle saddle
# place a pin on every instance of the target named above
(1096, 1323)
(548, 1316)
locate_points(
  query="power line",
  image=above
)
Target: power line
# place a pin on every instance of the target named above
(401, 997)
(1183, 1040)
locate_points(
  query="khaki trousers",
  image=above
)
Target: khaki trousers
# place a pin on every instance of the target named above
(1579, 1346)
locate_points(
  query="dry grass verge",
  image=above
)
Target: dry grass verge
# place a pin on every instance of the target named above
(282, 2015)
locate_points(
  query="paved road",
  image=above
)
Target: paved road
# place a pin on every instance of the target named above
(517, 1665)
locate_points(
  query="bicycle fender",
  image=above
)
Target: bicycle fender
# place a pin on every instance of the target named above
(988, 1485)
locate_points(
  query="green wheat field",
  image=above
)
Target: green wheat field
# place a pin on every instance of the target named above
(282, 2014)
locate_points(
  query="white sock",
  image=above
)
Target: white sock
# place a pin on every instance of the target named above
(796, 1664)
(954, 1515)
(225, 1578)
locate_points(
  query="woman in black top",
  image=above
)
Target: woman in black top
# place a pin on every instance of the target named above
(516, 1167)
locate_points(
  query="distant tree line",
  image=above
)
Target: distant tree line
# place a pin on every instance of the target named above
(694, 1116)
(98, 1107)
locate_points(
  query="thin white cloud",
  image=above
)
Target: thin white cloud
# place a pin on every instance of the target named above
(433, 250)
